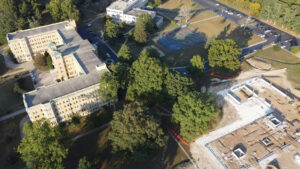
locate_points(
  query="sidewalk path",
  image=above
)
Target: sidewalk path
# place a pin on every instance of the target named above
(91, 131)
(21, 124)
(12, 114)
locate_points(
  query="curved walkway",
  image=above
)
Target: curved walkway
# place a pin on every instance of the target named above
(21, 111)
(288, 63)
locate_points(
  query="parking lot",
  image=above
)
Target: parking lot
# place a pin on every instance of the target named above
(271, 34)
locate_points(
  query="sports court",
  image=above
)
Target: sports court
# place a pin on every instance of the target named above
(178, 39)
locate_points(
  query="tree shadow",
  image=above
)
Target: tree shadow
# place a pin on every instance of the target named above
(240, 35)
(223, 34)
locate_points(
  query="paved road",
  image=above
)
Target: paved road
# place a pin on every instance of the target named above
(259, 28)
(15, 72)
(86, 33)
(12, 114)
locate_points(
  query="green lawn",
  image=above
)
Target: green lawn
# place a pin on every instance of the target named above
(293, 71)
(96, 148)
(9, 100)
(9, 140)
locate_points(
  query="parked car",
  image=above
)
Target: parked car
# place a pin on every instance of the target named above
(282, 45)
(268, 30)
(261, 35)
(217, 4)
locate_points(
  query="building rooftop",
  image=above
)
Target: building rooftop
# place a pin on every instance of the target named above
(84, 53)
(121, 4)
(47, 93)
(267, 131)
(137, 12)
(38, 30)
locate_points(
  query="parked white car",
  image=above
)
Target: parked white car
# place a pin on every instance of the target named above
(217, 4)
(261, 35)
(230, 13)
(268, 30)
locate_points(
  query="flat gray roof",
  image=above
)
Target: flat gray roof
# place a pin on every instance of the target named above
(46, 93)
(35, 31)
(121, 4)
(137, 12)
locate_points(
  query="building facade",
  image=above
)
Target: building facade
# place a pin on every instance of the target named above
(82, 102)
(128, 11)
(25, 44)
(76, 64)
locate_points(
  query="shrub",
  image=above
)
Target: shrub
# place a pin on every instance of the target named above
(11, 55)
(17, 89)
(40, 62)
(49, 60)
(75, 121)
(223, 21)
(173, 22)
(277, 47)
(294, 49)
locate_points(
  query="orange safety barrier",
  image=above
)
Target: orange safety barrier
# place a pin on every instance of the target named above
(222, 77)
(178, 136)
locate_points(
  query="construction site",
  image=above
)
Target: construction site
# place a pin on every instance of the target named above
(265, 134)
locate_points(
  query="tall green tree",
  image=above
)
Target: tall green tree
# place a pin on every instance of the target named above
(147, 21)
(194, 113)
(84, 164)
(43, 146)
(176, 84)
(121, 72)
(61, 10)
(140, 34)
(197, 63)
(143, 27)
(108, 87)
(111, 30)
(147, 79)
(136, 131)
(222, 55)
(124, 54)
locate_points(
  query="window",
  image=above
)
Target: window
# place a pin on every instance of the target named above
(267, 142)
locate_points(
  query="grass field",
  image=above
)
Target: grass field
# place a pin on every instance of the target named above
(220, 28)
(175, 5)
(96, 148)
(293, 71)
(9, 140)
(9, 100)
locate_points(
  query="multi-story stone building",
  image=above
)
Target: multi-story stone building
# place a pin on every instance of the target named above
(76, 64)
(129, 10)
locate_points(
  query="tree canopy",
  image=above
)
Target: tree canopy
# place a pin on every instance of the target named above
(176, 84)
(15, 14)
(43, 146)
(281, 12)
(84, 164)
(197, 63)
(147, 78)
(136, 131)
(124, 54)
(61, 10)
(194, 112)
(222, 54)
(111, 30)
(143, 27)
(108, 87)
